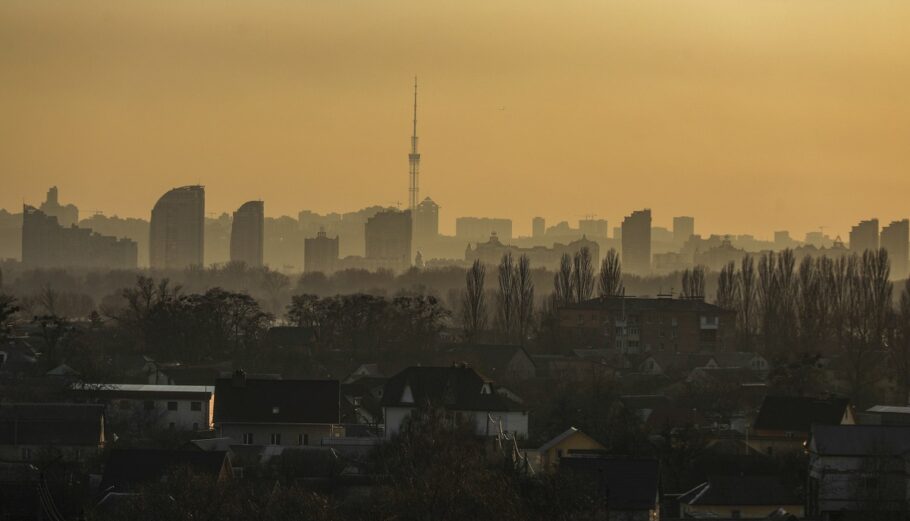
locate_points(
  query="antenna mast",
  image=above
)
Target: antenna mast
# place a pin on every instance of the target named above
(414, 162)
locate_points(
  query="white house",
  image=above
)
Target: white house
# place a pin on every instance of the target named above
(182, 407)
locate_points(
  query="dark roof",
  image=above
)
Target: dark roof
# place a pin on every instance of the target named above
(277, 401)
(457, 388)
(63, 424)
(798, 414)
(767, 491)
(860, 440)
(628, 483)
(491, 360)
(126, 468)
(640, 304)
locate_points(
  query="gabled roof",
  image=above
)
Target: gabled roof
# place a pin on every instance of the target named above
(742, 490)
(735, 359)
(456, 388)
(277, 401)
(127, 468)
(64, 424)
(799, 413)
(860, 440)
(492, 360)
(632, 483)
(568, 433)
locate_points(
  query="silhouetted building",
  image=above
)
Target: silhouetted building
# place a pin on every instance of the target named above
(782, 240)
(426, 224)
(683, 228)
(348, 225)
(67, 215)
(896, 240)
(538, 227)
(594, 228)
(320, 254)
(46, 244)
(491, 252)
(636, 242)
(388, 239)
(864, 236)
(475, 229)
(247, 234)
(177, 229)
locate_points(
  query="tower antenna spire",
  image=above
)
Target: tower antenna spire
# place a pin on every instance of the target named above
(414, 162)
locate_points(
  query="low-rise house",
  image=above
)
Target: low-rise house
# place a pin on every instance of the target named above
(569, 442)
(58, 431)
(126, 470)
(461, 391)
(361, 400)
(885, 415)
(674, 364)
(784, 422)
(859, 472)
(182, 407)
(740, 497)
(623, 489)
(255, 411)
(500, 362)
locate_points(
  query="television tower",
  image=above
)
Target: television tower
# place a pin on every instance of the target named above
(414, 162)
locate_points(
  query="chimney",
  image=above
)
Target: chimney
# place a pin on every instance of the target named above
(239, 378)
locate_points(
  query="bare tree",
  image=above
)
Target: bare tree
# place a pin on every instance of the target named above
(609, 281)
(583, 275)
(693, 282)
(524, 292)
(506, 298)
(726, 287)
(899, 359)
(473, 303)
(562, 282)
(745, 302)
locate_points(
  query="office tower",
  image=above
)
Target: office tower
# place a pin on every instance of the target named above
(782, 240)
(476, 229)
(320, 253)
(247, 234)
(594, 228)
(864, 236)
(177, 229)
(46, 244)
(636, 242)
(538, 227)
(388, 240)
(896, 240)
(67, 215)
(426, 224)
(683, 228)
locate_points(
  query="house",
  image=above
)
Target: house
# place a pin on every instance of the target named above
(128, 469)
(501, 362)
(858, 472)
(361, 400)
(572, 368)
(183, 407)
(461, 391)
(642, 405)
(60, 431)
(739, 497)
(568, 442)
(784, 422)
(674, 364)
(17, 357)
(885, 415)
(260, 411)
(624, 489)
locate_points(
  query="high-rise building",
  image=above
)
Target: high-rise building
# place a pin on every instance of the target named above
(388, 239)
(538, 227)
(636, 242)
(46, 244)
(896, 240)
(479, 229)
(594, 228)
(247, 234)
(683, 228)
(864, 236)
(67, 215)
(426, 224)
(320, 253)
(782, 240)
(177, 229)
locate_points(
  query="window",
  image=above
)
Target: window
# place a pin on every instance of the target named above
(276, 409)
(195, 406)
(275, 438)
(172, 406)
(148, 405)
(303, 439)
(248, 438)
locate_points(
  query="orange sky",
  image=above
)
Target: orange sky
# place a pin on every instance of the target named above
(751, 115)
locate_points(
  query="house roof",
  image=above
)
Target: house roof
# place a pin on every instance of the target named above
(492, 360)
(741, 490)
(456, 387)
(860, 440)
(147, 391)
(640, 304)
(799, 413)
(628, 483)
(127, 468)
(568, 433)
(277, 401)
(735, 359)
(64, 424)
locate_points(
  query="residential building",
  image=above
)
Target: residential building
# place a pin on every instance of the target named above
(503, 363)
(642, 325)
(864, 236)
(247, 237)
(594, 228)
(181, 407)
(570, 442)
(492, 251)
(47, 244)
(475, 229)
(783, 423)
(636, 242)
(426, 224)
(740, 497)
(320, 254)
(67, 215)
(623, 489)
(50, 431)
(127, 470)
(261, 411)
(538, 227)
(388, 239)
(177, 229)
(683, 228)
(461, 391)
(895, 239)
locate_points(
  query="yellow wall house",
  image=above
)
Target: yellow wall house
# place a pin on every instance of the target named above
(570, 440)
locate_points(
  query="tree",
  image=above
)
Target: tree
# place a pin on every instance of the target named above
(609, 280)
(473, 302)
(562, 282)
(726, 287)
(524, 293)
(693, 282)
(745, 302)
(507, 298)
(582, 275)
(900, 348)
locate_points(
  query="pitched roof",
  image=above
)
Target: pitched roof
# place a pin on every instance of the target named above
(127, 468)
(799, 413)
(65, 424)
(492, 360)
(276, 401)
(860, 440)
(457, 388)
(735, 359)
(568, 433)
(632, 483)
(741, 490)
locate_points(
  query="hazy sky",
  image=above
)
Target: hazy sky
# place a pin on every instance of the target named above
(750, 115)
